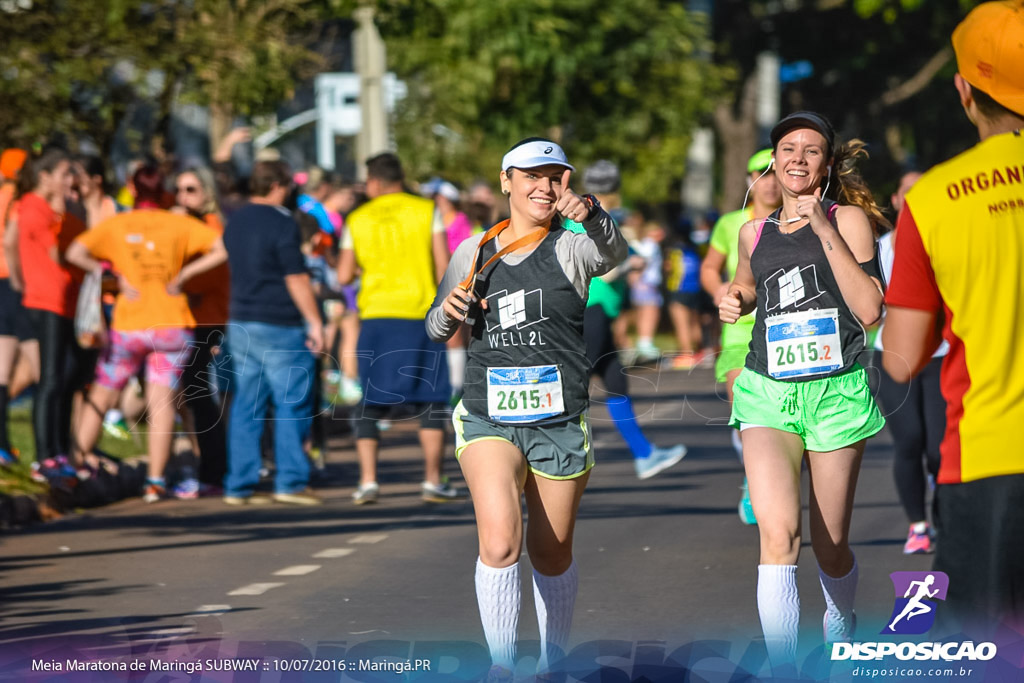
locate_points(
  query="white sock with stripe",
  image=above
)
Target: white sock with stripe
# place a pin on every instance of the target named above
(778, 603)
(555, 599)
(499, 597)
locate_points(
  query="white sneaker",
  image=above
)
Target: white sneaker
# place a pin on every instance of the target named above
(659, 460)
(366, 493)
(441, 493)
(349, 391)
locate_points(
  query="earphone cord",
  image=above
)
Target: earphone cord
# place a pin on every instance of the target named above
(776, 221)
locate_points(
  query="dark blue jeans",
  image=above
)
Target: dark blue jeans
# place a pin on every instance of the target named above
(269, 363)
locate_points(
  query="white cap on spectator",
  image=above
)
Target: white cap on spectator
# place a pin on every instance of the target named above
(535, 153)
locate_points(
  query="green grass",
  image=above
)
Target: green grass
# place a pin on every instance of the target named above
(16, 479)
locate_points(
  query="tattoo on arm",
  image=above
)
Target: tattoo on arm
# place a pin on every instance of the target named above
(828, 244)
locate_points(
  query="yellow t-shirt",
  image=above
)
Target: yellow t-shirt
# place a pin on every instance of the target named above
(392, 236)
(959, 251)
(149, 247)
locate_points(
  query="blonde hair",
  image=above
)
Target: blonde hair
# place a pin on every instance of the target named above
(209, 185)
(851, 188)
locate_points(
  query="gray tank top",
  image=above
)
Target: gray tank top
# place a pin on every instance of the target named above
(527, 356)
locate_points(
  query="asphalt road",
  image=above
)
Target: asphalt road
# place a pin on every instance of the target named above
(667, 572)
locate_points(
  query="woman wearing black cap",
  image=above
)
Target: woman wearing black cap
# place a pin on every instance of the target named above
(811, 272)
(522, 426)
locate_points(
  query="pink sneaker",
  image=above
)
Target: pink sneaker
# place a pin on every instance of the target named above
(918, 544)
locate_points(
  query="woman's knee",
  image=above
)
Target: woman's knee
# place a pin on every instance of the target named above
(779, 544)
(499, 548)
(549, 556)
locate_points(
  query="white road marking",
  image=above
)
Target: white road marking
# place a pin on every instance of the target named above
(210, 611)
(255, 589)
(170, 632)
(331, 553)
(368, 538)
(297, 570)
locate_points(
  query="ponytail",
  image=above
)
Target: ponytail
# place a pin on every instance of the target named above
(852, 190)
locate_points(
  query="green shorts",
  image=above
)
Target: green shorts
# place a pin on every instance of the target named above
(555, 451)
(828, 413)
(729, 359)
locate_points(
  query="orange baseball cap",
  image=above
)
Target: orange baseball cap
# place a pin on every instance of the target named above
(989, 46)
(11, 162)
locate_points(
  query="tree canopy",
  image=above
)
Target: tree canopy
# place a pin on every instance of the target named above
(74, 69)
(616, 80)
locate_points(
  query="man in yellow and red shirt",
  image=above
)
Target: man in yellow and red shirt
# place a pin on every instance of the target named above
(959, 263)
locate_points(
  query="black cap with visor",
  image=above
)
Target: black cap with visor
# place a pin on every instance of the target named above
(804, 119)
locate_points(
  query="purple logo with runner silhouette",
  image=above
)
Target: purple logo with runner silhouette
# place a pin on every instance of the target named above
(914, 611)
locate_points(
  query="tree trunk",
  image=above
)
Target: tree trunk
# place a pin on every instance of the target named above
(737, 134)
(221, 118)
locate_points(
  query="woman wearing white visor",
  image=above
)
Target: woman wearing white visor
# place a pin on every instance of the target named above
(522, 425)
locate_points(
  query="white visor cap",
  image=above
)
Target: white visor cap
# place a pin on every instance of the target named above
(534, 154)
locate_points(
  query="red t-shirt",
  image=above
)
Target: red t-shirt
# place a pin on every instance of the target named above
(42, 234)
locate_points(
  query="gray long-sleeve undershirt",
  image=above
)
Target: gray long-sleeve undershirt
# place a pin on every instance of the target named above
(582, 256)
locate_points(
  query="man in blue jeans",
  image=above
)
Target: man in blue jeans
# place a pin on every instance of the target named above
(273, 333)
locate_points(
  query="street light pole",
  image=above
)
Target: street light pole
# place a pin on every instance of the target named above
(370, 60)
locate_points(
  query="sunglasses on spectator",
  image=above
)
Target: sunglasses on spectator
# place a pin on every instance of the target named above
(188, 189)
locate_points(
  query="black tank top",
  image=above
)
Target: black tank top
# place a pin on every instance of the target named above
(529, 338)
(804, 329)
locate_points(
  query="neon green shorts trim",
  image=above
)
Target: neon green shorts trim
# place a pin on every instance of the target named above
(828, 413)
(556, 451)
(729, 359)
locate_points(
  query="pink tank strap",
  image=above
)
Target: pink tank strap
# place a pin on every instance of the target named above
(832, 211)
(757, 235)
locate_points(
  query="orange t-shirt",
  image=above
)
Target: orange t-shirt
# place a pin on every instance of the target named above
(49, 286)
(210, 293)
(149, 247)
(6, 196)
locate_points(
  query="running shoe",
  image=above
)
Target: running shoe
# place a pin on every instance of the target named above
(153, 491)
(117, 429)
(659, 460)
(366, 493)
(918, 543)
(350, 392)
(746, 508)
(8, 457)
(647, 353)
(441, 493)
(186, 489)
(836, 630)
(685, 361)
(305, 497)
(251, 499)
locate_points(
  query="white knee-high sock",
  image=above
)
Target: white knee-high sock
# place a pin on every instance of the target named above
(456, 367)
(499, 597)
(737, 444)
(554, 598)
(778, 603)
(839, 595)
